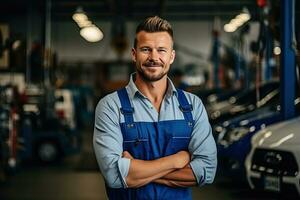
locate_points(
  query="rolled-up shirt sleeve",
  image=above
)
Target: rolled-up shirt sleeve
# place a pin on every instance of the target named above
(107, 142)
(202, 146)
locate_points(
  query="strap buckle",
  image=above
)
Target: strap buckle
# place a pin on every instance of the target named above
(127, 111)
(186, 108)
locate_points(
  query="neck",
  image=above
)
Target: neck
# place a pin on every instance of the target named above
(154, 91)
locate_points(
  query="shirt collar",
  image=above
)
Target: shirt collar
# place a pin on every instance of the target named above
(132, 90)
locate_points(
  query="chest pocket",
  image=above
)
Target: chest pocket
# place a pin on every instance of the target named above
(180, 143)
(134, 142)
(180, 135)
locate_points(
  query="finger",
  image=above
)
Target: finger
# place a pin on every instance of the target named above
(125, 154)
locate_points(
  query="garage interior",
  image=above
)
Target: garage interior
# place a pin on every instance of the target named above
(58, 58)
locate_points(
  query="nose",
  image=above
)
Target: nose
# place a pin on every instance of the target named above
(154, 55)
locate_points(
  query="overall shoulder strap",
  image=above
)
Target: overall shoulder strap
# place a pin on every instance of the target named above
(185, 107)
(126, 108)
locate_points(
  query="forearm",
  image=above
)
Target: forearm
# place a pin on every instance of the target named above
(179, 178)
(138, 182)
(185, 174)
(142, 172)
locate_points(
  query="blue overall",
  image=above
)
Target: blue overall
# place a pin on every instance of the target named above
(153, 140)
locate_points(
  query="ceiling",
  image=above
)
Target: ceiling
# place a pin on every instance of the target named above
(132, 9)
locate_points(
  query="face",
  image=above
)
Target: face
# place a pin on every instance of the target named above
(153, 55)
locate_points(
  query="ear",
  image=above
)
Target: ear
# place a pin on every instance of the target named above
(133, 54)
(172, 56)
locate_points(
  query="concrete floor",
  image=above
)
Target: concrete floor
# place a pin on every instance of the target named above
(78, 178)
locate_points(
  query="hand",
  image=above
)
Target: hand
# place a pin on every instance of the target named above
(182, 159)
(188, 166)
(126, 154)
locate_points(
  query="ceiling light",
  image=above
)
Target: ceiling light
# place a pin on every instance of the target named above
(237, 22)
(229, 28)
(277, 50)
(243, 17)
(91, 33)
(84, 23)
(16, 44)
(79, 16)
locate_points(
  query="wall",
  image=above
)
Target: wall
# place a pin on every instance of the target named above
(71, 47)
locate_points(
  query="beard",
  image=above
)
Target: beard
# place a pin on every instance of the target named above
(150, 77)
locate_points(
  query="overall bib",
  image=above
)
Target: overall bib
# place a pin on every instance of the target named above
(153, 140)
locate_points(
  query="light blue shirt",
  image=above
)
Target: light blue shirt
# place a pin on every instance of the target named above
(108, 139)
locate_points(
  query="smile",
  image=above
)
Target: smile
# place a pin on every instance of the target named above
(152, 66)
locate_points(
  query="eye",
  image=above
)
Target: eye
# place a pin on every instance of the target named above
(162, 50)
(145, 50)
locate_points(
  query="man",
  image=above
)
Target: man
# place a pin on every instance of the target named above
(151, 140)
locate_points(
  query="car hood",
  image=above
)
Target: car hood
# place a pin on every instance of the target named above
(250, 117)
(285, 133)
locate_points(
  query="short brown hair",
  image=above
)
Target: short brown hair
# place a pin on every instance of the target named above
(152, 25)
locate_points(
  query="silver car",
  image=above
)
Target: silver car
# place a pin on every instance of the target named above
(274, 160)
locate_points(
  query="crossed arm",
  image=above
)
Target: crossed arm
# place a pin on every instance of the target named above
(172, 170)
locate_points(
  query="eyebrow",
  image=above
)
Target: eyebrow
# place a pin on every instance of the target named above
(158, 48)
(144, 47)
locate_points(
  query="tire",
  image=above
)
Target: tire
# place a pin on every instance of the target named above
(48, 152)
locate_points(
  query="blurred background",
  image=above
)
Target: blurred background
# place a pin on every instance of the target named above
(58, 58)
